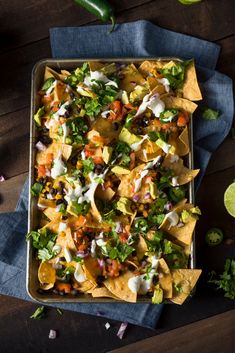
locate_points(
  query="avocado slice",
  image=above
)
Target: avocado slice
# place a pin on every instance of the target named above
(157, 295)
(153, 191)
(128, 137)
(124, 205)
(38, 115)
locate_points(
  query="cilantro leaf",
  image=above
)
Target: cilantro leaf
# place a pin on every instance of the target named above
(176, 74)
(36, 189)
(78, 75)
(120, 251)
(88, 166)
(39, 313)
(81, 208)
(210, 114)
(226, 280)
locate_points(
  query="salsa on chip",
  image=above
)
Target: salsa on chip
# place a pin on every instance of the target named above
(111, 181)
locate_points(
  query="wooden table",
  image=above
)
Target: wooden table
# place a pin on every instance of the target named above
(24, 40)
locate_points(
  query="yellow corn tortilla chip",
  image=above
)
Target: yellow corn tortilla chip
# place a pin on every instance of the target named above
(185, 279)
(191, 88)
(180, 103)
(49, 72)
(184, 175)
(43, 202)
(91, 268)
(119, 287)
(150, 67)
(52, 214)
(52, 226)
(46, 275)
(85, 287)
(102, 292)
(105, 128)
(182, 234)
(141, 248)
(65, 240)
(182, 147)
(131, 74)
(106, 194)
(95, 65)
(149, 150)
(55, 149)
(165, 280)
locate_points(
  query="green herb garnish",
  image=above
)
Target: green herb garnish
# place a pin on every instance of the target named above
(36, 189)
(210, 114)
(39, 313)
(226, 280)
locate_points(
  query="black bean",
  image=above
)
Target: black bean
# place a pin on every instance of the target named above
(133, 207)
(45, 130)
(100, 279)
(146, 206)
(98, 168)
(53, 191)
(155, 280)
(139, 131)
(59, 202)
(45, 139)
(74, 160)
(64, 218)
(72, 95)
(131, 268)
(61, 184)
(66, 114)
(60, 192)
(115, 126)
(134, 253)
(62, 258)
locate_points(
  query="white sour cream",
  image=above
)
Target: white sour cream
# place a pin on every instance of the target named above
(172, 218)
(165, 82)
(79, 274)
(58, 168)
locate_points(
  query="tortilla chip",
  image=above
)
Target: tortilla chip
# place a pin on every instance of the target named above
(182, 234)
(165, 280)
(106, 194)
(149, 150)
(95, 65)
(52, 226)
(184, 174)
(43, 202)
(46, 275)
(55, 149)
(105, 128)
(65, 239)
(141, 248)
(191, 88)
(131, 74)
(186, 280)
(91, 268)
(52, 214)
(85, 286)
(99, 292)
(182, 147)
(180, 103)
(150, 67)
(49, 72)
(119, 287)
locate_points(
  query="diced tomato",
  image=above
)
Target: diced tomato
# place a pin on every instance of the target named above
(123, 237)
(98, 160)
(49, 158)
(64, 287)
(41, 170)
(182, 119)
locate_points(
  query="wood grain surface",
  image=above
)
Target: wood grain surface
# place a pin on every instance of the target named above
(24, 39)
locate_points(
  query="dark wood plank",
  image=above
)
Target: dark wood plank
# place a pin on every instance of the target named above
(10, 191)
(223, 158)
(203, 336)
(226, 62)
(33, 22)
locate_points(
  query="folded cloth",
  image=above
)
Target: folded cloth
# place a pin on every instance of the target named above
(136, 39)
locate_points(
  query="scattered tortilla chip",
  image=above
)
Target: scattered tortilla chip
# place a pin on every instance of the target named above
(185, 280)
(106, 194)
(102, 292)
(119, 287)
(191, 88)
(65, 240)
(165, 280)
(141, 248)
(150, 67)
(180, 103)
(43, 202)
(49, 72)
(105, 128)
(182, 148)
(91, 268)
(52, 214)
(149, 150)
(46, 275)
(184, 175)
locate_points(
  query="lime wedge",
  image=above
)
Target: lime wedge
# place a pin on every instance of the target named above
(229, 199)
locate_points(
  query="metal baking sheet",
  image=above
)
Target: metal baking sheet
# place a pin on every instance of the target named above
(32, 283)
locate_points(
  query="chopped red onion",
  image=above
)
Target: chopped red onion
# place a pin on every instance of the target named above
(82, 254)
(119, 227)
(101, 262)
(52, 334)
(147, 195)
(133, 83)
(99, 313)
(107, 325)
(168, 206)
(135, 198)
(122, 330)
(180, 224)
(40, 146)
(2, 178)
(57, 266)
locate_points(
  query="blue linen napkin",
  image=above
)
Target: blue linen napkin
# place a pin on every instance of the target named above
(136, 39)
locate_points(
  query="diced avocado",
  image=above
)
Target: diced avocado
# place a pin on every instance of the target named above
(72, 209)
(128, 137)
(185, 216)
(120, 170)
(38, 115)
(153, 191)
(157, 295)
(165, 146)
(195, 210)
(124, 205)
(86, 92)
(138, 93)
(109, 69)
(107, 153)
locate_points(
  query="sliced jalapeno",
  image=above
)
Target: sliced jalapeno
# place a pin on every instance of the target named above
(214, 236)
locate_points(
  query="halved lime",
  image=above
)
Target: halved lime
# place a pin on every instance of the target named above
(229, 199)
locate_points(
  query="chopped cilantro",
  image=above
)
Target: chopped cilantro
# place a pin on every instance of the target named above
(88, 166)
(78, 75)
(39, 313)
(176, 74)
(36, 189)
(155, 135)
(81, 208)
(226, 280)
(210, 114)
(44, 241)
(120, 251)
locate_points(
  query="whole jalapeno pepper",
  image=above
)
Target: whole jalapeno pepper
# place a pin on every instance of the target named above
(100, 8)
